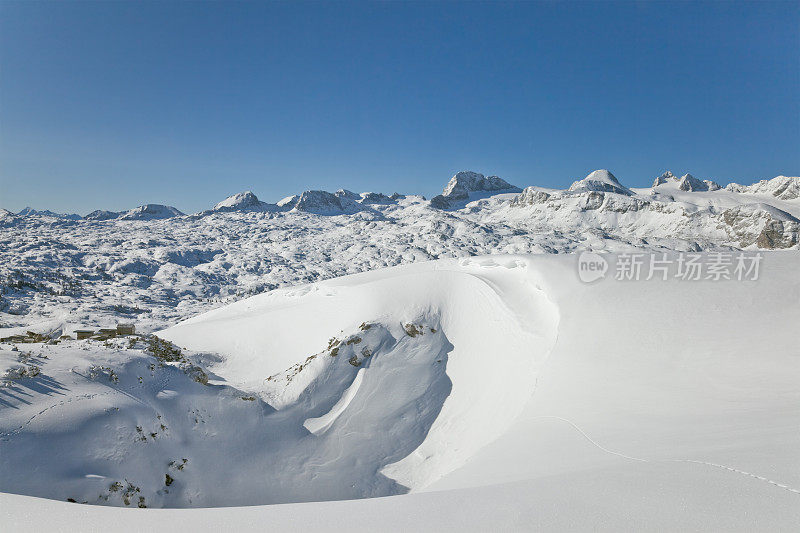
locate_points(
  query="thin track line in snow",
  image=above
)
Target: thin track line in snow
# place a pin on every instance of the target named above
(742, 472)
(594, 442)
(4, 435)
(693, 461)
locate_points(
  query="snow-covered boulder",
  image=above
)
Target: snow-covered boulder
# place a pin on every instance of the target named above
(781, 187)
(151, 212)
(600, 181)
(102, 214)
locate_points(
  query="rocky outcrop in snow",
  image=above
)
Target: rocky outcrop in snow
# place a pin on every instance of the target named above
(761, 224)
(530, 196)
(151, 212)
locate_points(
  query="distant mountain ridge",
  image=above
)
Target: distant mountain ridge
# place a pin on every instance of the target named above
(29, 211)
(462, 188)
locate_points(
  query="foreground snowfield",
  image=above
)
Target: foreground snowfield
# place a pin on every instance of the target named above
(501, 390)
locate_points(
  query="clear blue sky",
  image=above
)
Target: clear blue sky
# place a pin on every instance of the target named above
(111, 105)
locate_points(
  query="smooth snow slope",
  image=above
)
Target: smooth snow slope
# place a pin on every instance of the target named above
(655, 405)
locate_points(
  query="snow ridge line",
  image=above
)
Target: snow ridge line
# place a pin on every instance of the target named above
(640, 459)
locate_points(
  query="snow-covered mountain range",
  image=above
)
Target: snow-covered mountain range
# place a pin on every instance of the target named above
(465, 186)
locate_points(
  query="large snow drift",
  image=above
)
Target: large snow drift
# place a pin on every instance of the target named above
(499, 323)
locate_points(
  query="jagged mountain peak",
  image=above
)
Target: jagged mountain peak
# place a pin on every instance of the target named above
(466, 181)
(690, 183)
(687, 182)
(460, 186)
(666, 177)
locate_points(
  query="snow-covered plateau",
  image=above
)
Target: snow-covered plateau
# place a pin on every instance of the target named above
(385, 362)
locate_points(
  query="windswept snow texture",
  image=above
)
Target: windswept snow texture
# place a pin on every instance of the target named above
(502, 391)
(58, 274)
